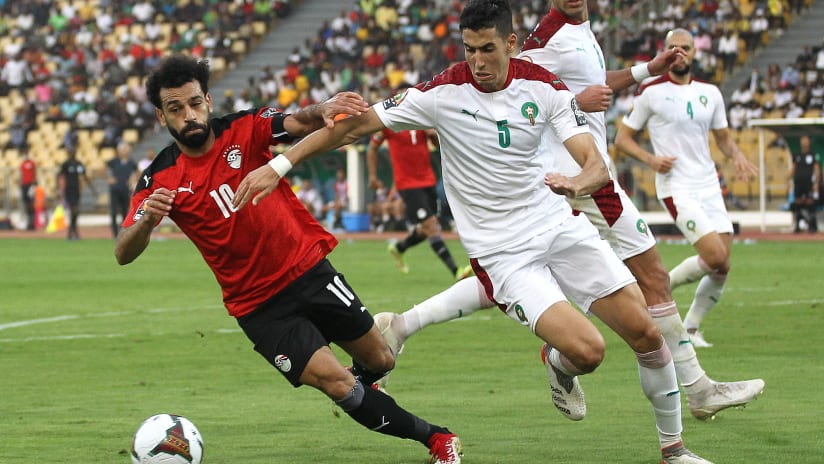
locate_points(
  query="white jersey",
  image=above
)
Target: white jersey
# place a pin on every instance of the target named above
(679, 119)
(493, 168)
(571, 52)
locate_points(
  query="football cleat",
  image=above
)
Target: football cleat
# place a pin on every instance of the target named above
(392, 248)
(445, 448)
(677, 454)
(463, 272)
(722, 395)
(698, 340)
(567, 395)
(388, 324)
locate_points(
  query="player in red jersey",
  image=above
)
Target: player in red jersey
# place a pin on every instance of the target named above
(270, 261)
(415, 182)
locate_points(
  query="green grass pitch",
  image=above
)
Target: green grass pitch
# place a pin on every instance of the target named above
(88, 349)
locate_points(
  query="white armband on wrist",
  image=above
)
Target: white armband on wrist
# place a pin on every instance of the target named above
(639, 72)
(280, 164)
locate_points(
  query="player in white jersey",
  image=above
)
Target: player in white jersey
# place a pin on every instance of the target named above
(679, 113)
(491, 113)
(564, 44)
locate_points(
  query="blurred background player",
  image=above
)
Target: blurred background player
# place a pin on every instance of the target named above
(72, 173)
(28, 181)
(804, 175)
(680, 112)
(415, 181)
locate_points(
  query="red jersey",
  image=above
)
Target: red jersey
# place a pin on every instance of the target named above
(28, 172)
(409, 151)
(257, 251)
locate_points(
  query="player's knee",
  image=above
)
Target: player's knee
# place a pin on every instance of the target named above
(588, 357)
(647, 338)
(380, 360)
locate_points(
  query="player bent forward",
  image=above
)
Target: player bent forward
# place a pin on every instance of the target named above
(492, 113)
(270, 261)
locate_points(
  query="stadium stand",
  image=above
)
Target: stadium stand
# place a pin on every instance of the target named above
(73, 70)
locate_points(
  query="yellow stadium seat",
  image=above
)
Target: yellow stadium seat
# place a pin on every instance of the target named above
(131, 136)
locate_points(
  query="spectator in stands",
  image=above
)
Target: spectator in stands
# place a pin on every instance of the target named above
(310, 196)
(738, 116)
(87, 117)
(146, 160)
(728, 49)
(16, 73)
(742, 94)
(19, 128)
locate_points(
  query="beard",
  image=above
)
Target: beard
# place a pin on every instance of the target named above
(194, 141)
(681, 71)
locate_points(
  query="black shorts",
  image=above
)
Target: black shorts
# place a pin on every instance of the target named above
(314, 310)
(420, 204)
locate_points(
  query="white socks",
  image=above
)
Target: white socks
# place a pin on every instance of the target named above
(461, 299)
(690, 270)
(658, 381)
(687, 367)
(707, 294)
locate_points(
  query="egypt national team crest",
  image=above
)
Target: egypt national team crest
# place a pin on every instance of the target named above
(233, 156)
(283, 363)
(529, 110)
(269, 113)
(141, 210)
(392, 102)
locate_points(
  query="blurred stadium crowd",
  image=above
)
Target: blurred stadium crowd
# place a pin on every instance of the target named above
(72, 71)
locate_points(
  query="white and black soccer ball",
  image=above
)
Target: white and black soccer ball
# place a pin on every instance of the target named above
(167, 439)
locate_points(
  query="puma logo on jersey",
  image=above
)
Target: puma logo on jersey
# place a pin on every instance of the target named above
(537, 40)
(186, 189)
(474, 115)
(147, 179)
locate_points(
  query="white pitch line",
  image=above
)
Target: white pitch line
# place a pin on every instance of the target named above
(11, 325)
(60, 337)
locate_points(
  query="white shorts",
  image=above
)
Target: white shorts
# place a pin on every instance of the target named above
(569, 259)
(698, 212)
(617, 219)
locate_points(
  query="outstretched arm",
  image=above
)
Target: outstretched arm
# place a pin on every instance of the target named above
(623, 78)
(313, 117)
(260, 182)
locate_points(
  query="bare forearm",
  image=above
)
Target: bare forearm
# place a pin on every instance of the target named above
(132, 240)
(593, 176)
(620, 79)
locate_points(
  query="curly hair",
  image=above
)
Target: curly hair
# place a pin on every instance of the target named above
(176, 71)
(487, 14)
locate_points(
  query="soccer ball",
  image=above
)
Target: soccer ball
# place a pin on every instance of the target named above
(167, 439)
